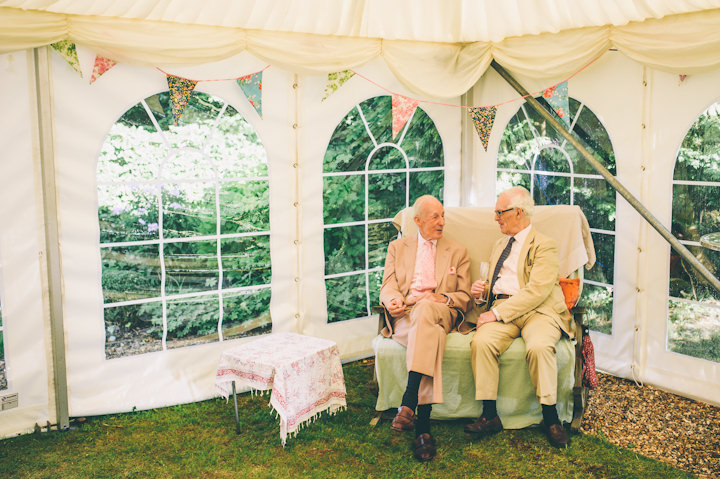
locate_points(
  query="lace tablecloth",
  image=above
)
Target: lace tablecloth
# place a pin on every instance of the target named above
(304, 373)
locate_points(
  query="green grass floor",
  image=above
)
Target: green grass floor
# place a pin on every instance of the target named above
(199, 441)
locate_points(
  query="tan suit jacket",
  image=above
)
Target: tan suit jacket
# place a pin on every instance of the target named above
(538, 279)
(452, 273)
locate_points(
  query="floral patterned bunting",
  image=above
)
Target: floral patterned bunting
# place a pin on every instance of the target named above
(335, 81)
(483, 117)
(252, 87)
(180, 91)
(557, 97)
(402, 109)
(102, 65)
(67, 50)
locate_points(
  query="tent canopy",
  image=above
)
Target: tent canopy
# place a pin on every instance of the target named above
(455, 40)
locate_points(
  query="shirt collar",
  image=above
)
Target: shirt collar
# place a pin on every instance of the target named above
(421, 240)
(522, 234)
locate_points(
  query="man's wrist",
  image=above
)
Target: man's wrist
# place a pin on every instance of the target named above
(448, 300)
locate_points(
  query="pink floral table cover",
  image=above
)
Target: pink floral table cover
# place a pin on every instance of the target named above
(304, 373)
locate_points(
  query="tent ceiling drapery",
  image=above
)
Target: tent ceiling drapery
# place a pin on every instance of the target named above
(440, 54)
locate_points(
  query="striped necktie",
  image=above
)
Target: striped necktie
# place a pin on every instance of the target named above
(498, 266)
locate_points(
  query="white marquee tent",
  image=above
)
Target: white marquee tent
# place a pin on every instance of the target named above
(646, 69)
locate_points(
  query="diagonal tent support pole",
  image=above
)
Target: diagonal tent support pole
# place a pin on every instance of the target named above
(619, 187)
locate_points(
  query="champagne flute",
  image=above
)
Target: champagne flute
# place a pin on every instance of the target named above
(484, 270)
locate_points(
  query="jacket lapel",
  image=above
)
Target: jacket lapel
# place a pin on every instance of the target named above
(521, 265)
(442, 260)
(411, 246)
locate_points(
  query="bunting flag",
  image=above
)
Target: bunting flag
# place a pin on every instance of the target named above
(102, 65)
(67, 50)
(180, 91)
(557, 97)
(335, 81)
(252, 87)
(402, 109)
(483, 117)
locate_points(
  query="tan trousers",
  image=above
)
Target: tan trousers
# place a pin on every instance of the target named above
(540, 333)
(422, 331)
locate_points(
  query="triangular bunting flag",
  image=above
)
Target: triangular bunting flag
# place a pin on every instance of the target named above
(483, 117)
(252, 87)
(557, 96)
(402, 109)
(102, 65)
(67, 50)
(180, 91)
(335, 81)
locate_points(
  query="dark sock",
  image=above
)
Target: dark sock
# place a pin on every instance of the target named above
(489, 408)
(410, 398)
(550, 414)
(422, 424)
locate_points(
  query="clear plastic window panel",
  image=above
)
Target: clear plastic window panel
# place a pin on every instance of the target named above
(184, 227)
(534, 155)
(368, 178)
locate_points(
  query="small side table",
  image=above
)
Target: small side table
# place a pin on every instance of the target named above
(304, 373)
(711, 241)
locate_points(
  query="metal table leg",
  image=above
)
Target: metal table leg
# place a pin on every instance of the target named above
(237, 417)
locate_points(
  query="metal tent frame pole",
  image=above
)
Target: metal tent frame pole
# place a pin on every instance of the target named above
(619, 187)
(46, 151)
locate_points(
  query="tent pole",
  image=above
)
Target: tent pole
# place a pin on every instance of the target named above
(619, 187)
(43, 96)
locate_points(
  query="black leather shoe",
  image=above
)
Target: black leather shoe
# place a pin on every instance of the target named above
(557, 435)
(404, 420)
(424, 447)
(485, 426)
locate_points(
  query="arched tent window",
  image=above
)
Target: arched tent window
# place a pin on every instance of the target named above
(533, 154)
(694, 306)
(369, 177)
(184, 227)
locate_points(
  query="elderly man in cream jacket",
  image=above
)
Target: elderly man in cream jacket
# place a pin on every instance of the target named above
(525, 299)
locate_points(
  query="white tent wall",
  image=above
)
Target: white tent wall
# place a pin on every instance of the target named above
(24, 288)
(317, 121)
(673, 106)
(83, 116)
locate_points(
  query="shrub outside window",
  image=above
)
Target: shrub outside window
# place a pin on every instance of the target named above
(184, 227)
(533, 154)
(367, 178)
(694, 305)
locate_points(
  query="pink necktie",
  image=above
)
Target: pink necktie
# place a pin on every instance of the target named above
(427, 264)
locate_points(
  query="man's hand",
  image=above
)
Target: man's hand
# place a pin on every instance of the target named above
(486, 317)
(396, 308)
(478, 289)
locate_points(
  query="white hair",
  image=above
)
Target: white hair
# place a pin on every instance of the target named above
(520, 198)
(420, 203)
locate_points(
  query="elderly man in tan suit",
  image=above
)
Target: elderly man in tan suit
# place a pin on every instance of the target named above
(426, 286)
(525, 299)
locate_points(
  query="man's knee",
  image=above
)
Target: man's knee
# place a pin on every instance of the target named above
(534, 349)
(481, 343)
(427, 312)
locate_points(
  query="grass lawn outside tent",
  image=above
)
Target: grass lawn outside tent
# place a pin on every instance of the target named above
(198, 440)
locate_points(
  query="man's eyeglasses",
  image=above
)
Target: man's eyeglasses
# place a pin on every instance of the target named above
(501, 212)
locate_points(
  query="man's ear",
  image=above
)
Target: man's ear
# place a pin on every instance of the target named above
(416, 219)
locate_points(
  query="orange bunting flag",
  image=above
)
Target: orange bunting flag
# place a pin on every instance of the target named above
(483, 118)
(102, 65)
(402, 109)
(67, 50)
(180, 91)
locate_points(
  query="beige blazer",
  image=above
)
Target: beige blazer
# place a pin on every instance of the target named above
(538, 279)
(452, 273)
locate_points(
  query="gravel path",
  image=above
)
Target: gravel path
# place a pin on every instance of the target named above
(657, 424)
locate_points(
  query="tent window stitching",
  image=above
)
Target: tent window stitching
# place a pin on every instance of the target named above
(368, 178)
(533, 155)
(694, 307)
(184, 227)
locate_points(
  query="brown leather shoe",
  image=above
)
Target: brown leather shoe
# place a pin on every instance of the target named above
(556, 435)
(485, 426)
(424, 447)
(404, 420)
